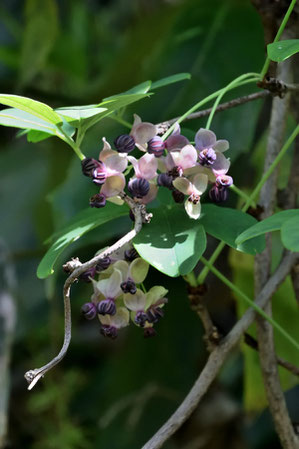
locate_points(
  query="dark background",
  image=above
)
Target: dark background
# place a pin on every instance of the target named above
(117, 394)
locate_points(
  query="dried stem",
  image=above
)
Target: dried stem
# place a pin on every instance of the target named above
(141, 216)
(265, 333)
(218, 357)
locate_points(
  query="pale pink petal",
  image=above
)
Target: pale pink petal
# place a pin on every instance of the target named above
(193, 210)
(147, 165)
(113, 185)
(115, 164)
(221, 165)
(123, 267)
(121, 318)
(104, 154)
(154, 294)
(204, 138)
(144, 132)
(135, 164)
(200, 183)
(177, 129)
(110, 287)
(221, 146)
(153, 191)
(137, 121)
(175, 142)
(188, 156)
(183, 185)
(168, 161)
(105, 320)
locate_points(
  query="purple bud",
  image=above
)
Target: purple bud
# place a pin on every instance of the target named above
(103, 264)
(140, 318)
(176, 172)
(154, 314)
(109, 331)
(224, 180)
(149, 332)
(156, 146)
(89, 164)
(207, 157)
(178, 196)
(128, 286)
(164, 180)
(124, 143)
(107, 307)
(99, 174)
(131, 254)
(90, 273)
(218, 194)
(89, 310)
(138, 187)
(98, 200)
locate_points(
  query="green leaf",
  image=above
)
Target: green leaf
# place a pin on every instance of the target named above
(36, 108)
(290, 233)
(141, 88)
(80, 225)
(170, 80)
(226, 224)
(172, 243)
(75, 115)
(273, 223)
(279, 51)
(20, 119)
(37, 136)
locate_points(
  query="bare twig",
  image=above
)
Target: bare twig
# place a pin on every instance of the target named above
(218, 357)
(252, 343)
(265, 334)
(141, 216)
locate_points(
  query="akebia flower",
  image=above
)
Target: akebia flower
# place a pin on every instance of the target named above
(142, 132)
(156, 146)
(177, 161)
(145, 167)
(132, 274)
(210, 151)
(219, 192)
(124, 143)
(194, 190)
(111, 324)
(89, 310)
(176, 140)
(138, 187)
(110, 289)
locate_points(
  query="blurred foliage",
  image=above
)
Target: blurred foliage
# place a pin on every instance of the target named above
(115, 394)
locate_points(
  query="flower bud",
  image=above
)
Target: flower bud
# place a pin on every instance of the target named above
(124, 143)
(224, 180)
(107, 307)
(109, 331)
(156, 146)
(89, 164)
(138, 187)
(99, 174)
(98, 200)
(218, 194)
(129, 286)
(131, 254)
(149, 332)
(164, 180)
(178, 196)
(154, 314)
(103, 264)
(207, 157)
(90, 273)
(140, 318)
(89, 310)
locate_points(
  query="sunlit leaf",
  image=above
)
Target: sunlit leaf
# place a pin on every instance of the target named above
(279, 51)
(170, 80)
(172, 243)
(80, 225)
(36, 108)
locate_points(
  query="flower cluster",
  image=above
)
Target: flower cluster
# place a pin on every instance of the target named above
(174, 163)
(117, 297)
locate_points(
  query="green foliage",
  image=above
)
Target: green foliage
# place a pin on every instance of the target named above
(82, 223)
(226, 224)
(281, 50)
(290, 234)
(172, 243)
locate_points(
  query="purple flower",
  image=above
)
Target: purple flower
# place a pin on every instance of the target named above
(179, 160)
(176, 141)
(165, 180)
(89, 310)
(142, 132)
(107, 307)
(124, 143)
(112, 323)
(128, 286)
(89, 164)
(156, 146)
(138, 187)
(88, 274)
(98, 200)
(145, 167)
(210, 151)
(194, 190)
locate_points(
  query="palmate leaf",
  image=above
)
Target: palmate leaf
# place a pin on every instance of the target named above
(226, 224)
(84, 222)
(279, 51)
(172, 243)
(273, 223)
(36, 108)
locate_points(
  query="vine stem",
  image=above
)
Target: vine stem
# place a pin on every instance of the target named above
(206, 100)
(278, 35)
(250, 302)
(72, 144)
